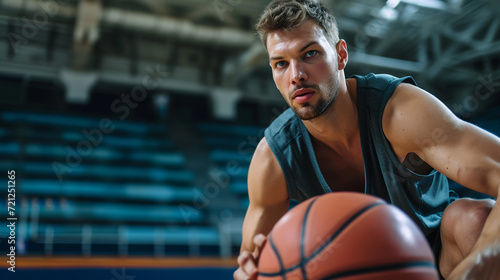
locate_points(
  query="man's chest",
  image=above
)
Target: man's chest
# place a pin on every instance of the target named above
(342, 172)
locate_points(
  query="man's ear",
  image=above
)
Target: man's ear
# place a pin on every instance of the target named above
(342, 55)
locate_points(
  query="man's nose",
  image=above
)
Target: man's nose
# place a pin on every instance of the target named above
(298, 72)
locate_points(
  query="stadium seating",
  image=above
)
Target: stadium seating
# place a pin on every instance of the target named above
(78, 186)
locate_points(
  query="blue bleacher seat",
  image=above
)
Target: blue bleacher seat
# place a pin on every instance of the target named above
(223, 156)
(52, 151)
(239, 187)
(65, 121)
(48, 119)
(127, 142)
(149, 174)
(171, 159)
(99, 190)
(115, 212)
(9, 148)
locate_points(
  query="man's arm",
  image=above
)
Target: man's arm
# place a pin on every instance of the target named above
(415, 121)
(268, 195)
(268, 202)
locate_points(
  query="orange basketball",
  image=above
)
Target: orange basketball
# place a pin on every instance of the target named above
(348, 236)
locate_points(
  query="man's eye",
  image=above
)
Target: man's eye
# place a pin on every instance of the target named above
(280, 64)
(311, 53)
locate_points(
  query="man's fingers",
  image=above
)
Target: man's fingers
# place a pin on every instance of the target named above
(239, 274)
(243, 258)
(250, 268)
(247, 261)
(247, 266)
(259, 240)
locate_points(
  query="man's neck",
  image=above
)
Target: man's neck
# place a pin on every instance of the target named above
(338, 126)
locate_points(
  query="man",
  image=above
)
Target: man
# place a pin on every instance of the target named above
(375, 134)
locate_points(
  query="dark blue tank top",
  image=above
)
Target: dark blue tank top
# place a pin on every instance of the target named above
(422, 197)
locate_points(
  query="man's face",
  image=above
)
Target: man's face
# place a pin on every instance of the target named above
(305, 68)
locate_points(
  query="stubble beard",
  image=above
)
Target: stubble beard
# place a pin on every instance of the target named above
(308, 111)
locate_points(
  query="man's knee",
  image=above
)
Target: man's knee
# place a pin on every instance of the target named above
(461, 225)
(465, 216)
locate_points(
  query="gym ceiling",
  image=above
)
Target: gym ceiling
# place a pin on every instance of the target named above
(451, 47)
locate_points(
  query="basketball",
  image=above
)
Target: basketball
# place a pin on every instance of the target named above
(349, 236)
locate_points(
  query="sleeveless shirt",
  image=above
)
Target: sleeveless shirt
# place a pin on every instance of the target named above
(422, 197)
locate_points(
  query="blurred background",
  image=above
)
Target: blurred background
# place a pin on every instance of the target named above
(130, 124)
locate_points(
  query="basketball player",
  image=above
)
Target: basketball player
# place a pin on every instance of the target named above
(375, 134)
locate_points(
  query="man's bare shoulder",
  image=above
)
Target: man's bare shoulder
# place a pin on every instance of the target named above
(263, 148)
(411, 104)
(264, 162)
(265, 177)
(413, 115)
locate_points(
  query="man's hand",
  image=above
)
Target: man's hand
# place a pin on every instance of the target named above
(248, 261)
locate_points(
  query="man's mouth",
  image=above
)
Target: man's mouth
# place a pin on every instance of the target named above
(302, 95)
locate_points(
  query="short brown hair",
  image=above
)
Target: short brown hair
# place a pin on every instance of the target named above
(288, 14)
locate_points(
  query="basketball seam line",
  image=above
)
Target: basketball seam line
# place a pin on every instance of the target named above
(378, 269)
(282, 268)
(283, 271)
(341, 229)
(302, 241)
